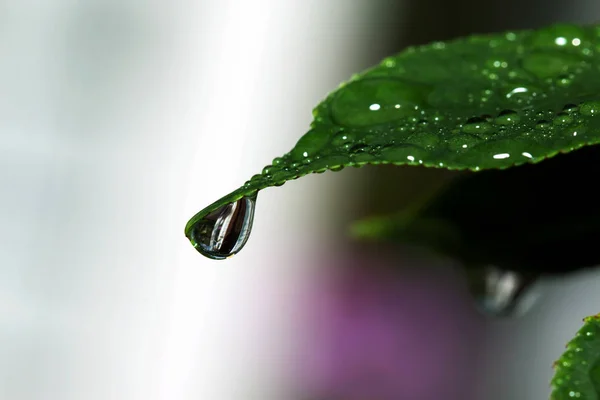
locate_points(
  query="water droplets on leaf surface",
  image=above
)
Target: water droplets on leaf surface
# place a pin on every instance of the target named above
(562, 119)
(477, 125)
(507, 117)
(377, 101)
(478, 103)
(462, 142)
(577, 371)
(342, 139)
(224, 232)
(519, 94)
(590, 109)
(309, 144)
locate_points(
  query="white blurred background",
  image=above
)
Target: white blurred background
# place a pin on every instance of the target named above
(119, 119)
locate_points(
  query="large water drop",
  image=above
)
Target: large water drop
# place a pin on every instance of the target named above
(225, 231)
(500, 292)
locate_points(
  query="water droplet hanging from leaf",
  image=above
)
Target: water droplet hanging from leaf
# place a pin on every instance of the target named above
(224, 232)
(538, 90)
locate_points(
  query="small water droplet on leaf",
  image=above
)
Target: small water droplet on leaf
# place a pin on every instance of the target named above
(477, 125)
(507, 117)
(591, 108)
(377, 101)
(562, 119)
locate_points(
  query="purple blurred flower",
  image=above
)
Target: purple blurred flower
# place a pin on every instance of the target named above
(384, 328)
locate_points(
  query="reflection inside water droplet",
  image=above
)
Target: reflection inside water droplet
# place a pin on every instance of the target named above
(499, 292)
(225, 231)
(517, 90)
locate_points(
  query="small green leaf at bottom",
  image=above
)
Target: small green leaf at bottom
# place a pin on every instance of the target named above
(577, 373)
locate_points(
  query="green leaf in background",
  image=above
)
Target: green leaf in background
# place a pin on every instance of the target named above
(577, 374)
(476, 103)
(510, 225)
(534, 218)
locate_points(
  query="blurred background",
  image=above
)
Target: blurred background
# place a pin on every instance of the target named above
(119, 119)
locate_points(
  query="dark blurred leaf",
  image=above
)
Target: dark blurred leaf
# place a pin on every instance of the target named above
(532, 218)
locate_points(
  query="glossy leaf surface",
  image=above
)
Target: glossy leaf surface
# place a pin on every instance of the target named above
(476, 103)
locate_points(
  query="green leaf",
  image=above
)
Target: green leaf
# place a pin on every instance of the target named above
(534, 218)
(577, 373)
(476, 103)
